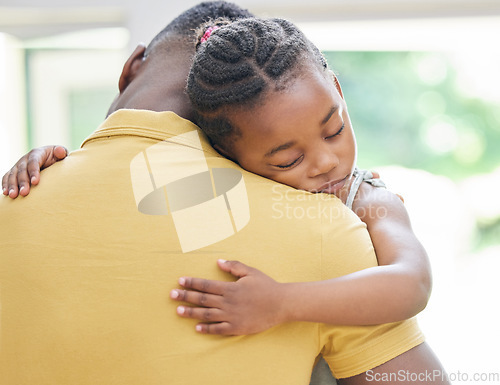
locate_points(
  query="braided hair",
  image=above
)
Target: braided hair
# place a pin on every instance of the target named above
(236, 63)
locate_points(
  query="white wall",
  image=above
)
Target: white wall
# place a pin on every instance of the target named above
(144, 18)
(12, 101)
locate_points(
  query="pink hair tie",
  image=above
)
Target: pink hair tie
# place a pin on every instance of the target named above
(208, 33)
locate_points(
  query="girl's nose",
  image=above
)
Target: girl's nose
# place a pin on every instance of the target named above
(324, 162)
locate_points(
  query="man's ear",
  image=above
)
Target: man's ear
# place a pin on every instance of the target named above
(131, 67)
(337, 84)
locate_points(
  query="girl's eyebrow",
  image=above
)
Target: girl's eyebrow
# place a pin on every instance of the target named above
(291, 143)
(280, 148)
(330, 114)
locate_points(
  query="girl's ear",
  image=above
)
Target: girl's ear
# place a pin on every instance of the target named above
(221, 151)
(337, 84)
(225, 153)
(131, 67)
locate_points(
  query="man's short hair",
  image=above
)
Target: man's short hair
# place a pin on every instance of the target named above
(186, 24)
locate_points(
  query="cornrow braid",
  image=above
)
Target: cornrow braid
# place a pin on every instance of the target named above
(236, 63)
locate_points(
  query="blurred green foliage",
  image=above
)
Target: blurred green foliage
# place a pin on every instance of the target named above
(408, 108)
(87, 110)
(487, 233)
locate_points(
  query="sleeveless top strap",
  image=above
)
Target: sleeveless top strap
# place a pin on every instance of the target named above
(361, 176)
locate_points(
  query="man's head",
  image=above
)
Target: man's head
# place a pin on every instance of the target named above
(154, 77)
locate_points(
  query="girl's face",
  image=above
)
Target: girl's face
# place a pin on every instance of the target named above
(301, 137)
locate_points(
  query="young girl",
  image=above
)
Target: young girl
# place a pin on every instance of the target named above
(266, 99)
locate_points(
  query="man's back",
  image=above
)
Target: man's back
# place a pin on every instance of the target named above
(89, 258)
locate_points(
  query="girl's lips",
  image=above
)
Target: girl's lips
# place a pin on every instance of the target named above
(333, 186)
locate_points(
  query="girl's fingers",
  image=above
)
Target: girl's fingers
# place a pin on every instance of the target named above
(35, 160)
(12, 186)
(196, 298)
(203, 285)
(5, 188)
(22, 178)
(60, 152)
(205, 314)
(220, 328)
(236, 268)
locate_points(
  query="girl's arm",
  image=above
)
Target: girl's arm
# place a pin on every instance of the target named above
(26, 172)
(395, 290)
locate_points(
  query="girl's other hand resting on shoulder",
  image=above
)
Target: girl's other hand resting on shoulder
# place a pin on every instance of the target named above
(26, 172)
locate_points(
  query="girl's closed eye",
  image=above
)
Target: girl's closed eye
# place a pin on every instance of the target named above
(291, 164)
(337, 133)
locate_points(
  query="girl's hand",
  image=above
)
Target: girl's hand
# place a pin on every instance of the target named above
(374, 203)
(26, 171)
(252, 304)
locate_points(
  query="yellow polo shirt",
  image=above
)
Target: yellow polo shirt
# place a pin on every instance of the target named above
(89, 257)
